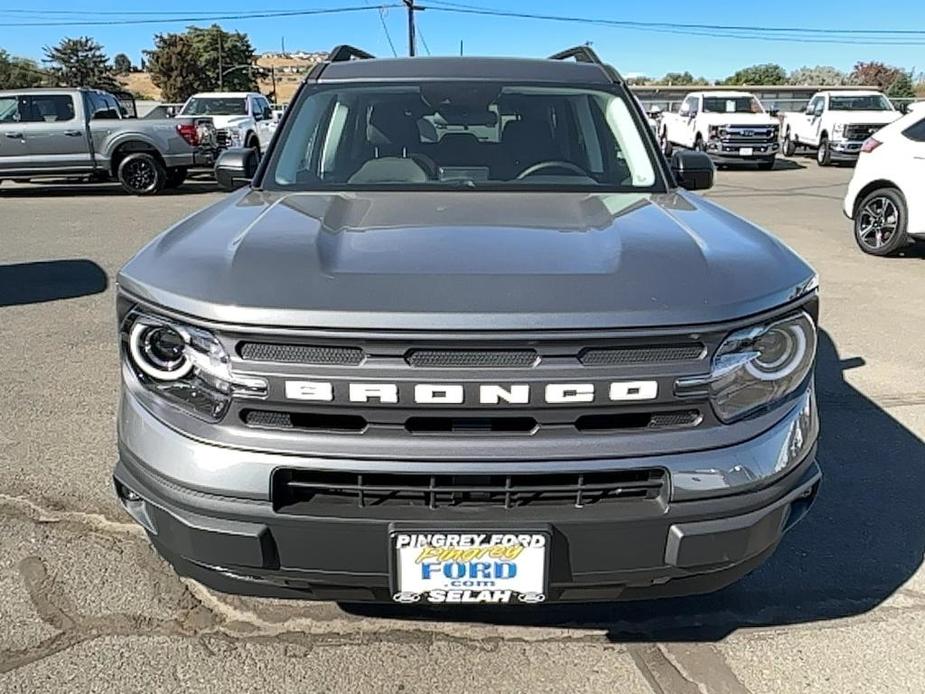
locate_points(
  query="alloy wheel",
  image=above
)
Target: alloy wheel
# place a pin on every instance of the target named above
(877, 222)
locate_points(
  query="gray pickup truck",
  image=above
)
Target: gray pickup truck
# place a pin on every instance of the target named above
(86, 133)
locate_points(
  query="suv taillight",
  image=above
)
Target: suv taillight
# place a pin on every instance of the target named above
(189, 132)
(870, 144)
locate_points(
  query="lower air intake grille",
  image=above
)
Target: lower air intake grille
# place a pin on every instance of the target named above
(301, 354)
(644, 354)
(471, 359)
(303, 491)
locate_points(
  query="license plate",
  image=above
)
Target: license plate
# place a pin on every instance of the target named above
(469, 568)
(746, 151)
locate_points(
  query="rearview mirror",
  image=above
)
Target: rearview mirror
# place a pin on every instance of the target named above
(236, 167)
(692, 170)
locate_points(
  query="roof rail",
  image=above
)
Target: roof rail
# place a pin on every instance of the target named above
(582, 54)
(586, 54)
(344, 53)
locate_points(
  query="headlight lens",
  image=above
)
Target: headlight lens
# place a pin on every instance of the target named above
(185, 365)
(756, 367)
(838, 128)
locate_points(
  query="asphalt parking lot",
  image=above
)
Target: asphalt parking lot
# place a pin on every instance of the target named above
(87, 606)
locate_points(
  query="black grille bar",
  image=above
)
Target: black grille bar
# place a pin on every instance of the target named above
(295, 490)
(472, 359)
(301, 354)
(648, 354)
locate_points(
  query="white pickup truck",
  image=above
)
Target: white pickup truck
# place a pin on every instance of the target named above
(242, 119)
(729, 126)
(836, 123)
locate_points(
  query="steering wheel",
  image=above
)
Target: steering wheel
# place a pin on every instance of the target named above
(551, 164)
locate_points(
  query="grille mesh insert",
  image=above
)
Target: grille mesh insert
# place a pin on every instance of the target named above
(301, 354)
(296, 491)
(644, 354)
(471, 359)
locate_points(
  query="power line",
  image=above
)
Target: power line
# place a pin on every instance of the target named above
(200, 18)
(780, 34)
(423, 40)
(385, 28)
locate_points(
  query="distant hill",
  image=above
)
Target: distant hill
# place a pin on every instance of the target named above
(289, 69)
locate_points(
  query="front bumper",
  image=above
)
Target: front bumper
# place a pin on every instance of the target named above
(729, 153)
(627, 550)
(845, 149)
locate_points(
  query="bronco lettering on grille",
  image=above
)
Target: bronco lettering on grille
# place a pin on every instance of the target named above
(488, 393)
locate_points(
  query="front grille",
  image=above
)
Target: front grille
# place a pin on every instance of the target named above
(653, 354)
(859, 131)
(475, 423)
(302, 491)
(746, 134)
(301, 354)
(471, 359)
(222, 137)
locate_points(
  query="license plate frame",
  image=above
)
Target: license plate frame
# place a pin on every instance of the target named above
(506, 591)
(746, 151)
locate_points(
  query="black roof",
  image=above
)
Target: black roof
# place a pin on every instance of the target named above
(470, 68)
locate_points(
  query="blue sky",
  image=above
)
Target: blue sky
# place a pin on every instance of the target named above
(631, 50)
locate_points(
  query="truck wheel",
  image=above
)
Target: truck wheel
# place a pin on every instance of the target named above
(824, 154)
(880, 222)
(766, 164)
(788, 148)
(698, 144)
(140, 173)
(664, 143)
(176, 176)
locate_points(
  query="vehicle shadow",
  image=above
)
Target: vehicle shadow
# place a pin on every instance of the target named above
(70, 188)
(780, 164)
(31, 283)
(864, 538)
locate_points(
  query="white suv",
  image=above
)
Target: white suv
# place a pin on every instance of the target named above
(886, 196)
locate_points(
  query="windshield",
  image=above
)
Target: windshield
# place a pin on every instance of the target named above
(215, 106)
(731, 104)
(460, 134)
(860, 102)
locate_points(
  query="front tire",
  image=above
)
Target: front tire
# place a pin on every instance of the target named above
(664, 143)
(880, 222)
(788, 148)
(140, 173)
(698, 144)
(824, 153)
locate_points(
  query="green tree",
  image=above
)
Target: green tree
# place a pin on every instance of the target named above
(17, 73)
(875, 74)
(224, 52)
(819, 76)
(121, 64)
(902, 87)
(80, 62)
(767, 73)
(175, 67)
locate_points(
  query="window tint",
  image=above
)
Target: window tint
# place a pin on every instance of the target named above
(731, 104)
(463, 135)
(916, 131)
(9, 109)
(49, 108)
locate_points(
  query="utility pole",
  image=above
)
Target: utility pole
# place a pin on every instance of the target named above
(412, 8)
(221, 74)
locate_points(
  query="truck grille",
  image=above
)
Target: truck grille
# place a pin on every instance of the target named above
(303, 491)
(859, 131)
(222, 137)
(748, 134)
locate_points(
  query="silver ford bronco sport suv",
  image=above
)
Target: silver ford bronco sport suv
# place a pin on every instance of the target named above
(466, 337)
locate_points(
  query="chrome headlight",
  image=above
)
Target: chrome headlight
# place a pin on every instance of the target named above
(756, 367)
(185, 365)
(838, 129)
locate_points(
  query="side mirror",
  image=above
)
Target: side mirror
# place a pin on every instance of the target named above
(692, 170)
(774, 112)
(268, 113)
(235, 167)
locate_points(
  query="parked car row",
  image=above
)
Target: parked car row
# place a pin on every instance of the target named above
(733, 127)
(86, 133)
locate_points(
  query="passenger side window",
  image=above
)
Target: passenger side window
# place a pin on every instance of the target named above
(9, 109)
(916, 131)
(49, 108)
(102, 109)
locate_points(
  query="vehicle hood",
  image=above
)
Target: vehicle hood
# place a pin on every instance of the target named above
(222, 122)
(465, 260)
(873, 117)
(739, 119)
